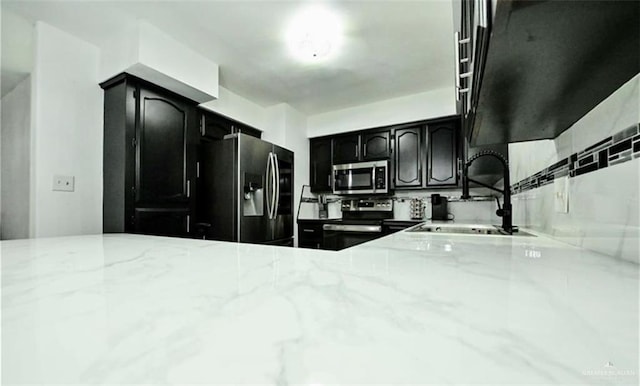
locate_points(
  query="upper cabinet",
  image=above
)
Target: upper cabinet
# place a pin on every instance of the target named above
(442, 154)
(214, 126)
(346, 148)
(528, 70)
(408, 158)
(375, 146)
(320, 165)
(368, 146)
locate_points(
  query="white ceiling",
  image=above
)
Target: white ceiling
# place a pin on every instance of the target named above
(391, 48)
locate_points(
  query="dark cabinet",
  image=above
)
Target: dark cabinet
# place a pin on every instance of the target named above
(442, 155)
(163, 221)
(366, 146)
(310, 234)
(408, 157)
(375, 146)
(516, 64)
(163, 154)
(320, 165)
(150, 159)
(393, 226)
(346, 149)
(215, 126)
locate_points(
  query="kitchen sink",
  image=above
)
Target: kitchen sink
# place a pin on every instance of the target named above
(469, 229)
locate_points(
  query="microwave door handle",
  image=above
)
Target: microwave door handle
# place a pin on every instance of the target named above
(373, 179)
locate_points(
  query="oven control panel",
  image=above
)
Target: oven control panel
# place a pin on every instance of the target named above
(367, 205)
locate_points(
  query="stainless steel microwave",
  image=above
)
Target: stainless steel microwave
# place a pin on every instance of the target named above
(361, 178)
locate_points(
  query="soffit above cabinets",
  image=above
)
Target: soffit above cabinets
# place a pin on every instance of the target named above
(551, 62)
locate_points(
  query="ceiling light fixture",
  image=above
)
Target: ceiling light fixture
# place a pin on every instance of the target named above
(314, 35)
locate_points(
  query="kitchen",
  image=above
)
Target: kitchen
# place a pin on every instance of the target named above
(596, 249)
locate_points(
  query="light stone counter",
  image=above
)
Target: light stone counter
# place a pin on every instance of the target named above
(410, 308)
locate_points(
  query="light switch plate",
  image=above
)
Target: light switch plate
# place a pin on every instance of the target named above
(561, 194)
(64, 183)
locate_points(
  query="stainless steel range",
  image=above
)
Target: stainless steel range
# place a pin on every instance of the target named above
(361, 222)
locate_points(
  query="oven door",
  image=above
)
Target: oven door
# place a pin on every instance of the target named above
(360, 178)
(336, 237)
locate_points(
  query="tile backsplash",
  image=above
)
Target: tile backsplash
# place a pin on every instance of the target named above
(622, 147)
(598, 158)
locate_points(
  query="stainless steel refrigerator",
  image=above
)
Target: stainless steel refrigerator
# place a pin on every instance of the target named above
(247, 191)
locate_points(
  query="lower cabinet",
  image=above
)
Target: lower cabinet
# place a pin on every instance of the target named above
(393, 226)
(310, 234)
(162, 222)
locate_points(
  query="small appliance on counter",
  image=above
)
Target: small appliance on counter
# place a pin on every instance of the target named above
(439, 210)
(313, 206)
(416, 209)
(322, 207)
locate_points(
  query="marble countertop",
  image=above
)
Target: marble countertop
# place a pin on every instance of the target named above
(409, 308)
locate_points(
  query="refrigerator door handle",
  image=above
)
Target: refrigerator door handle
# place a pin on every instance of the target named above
(273, 187)
(277, 179)
(266, 185)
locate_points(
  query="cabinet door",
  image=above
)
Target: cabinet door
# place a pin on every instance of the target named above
(375, 146)
(346, 149)
(408, 159)
(162, 222)
(320, 165)
(442, 154)
(310, 235)
(244, 129)
(162, 152)
(213, 126)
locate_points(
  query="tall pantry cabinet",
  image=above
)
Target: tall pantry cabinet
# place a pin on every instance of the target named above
(150, 159)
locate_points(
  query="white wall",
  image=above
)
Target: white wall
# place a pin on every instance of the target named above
(236, 107)
(148, 53)
(15, 162)
(66, 134)
(604, 205)
(426, 105)
(297, 141)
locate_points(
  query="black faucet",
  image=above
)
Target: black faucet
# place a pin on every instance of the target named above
(506, 211)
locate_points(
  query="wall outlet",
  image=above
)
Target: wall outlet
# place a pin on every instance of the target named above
(561, 194)
(64, 183)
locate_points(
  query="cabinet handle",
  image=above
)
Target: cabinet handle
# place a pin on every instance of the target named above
(357, 150)
(202, 126)
(456, 42)
(315, 173)
(197, 169)
(188, 188)
(188, 221)
(329, 181)
(365, 149)
(308, 230)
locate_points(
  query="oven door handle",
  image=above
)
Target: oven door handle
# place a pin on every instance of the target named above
(353, 228)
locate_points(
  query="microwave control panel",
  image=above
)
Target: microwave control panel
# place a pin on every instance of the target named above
(381, 178)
